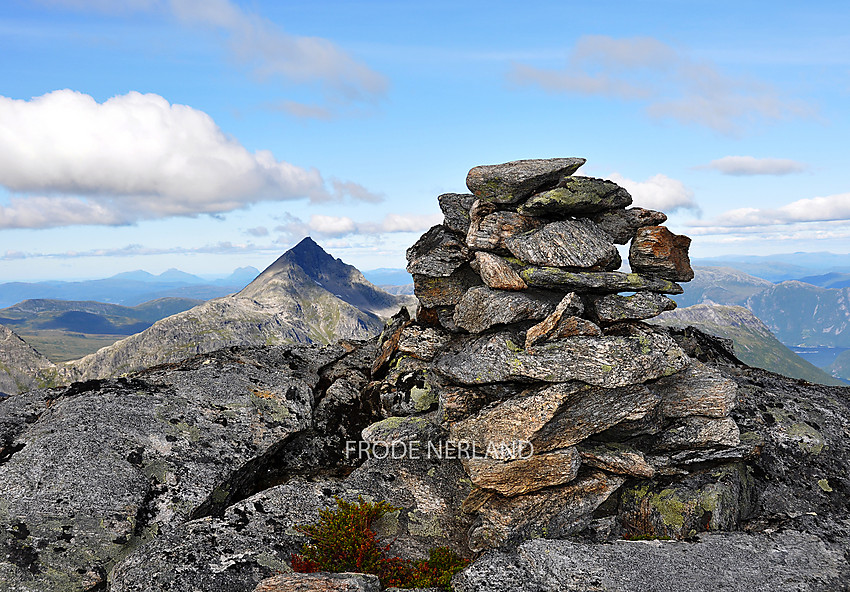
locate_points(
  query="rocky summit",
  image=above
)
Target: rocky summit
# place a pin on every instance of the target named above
(527, 417)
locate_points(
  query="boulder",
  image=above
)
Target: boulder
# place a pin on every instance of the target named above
(621, 225)
(553, 417)
(609, 361)
(577, 196)
(482, 308)
(455, 207)
(496, 273)
(612, 308)
(569, 243)
(514, 181)
(656, 251)
(554, 278)
(437, 253)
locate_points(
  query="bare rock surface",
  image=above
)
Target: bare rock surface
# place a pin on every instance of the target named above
(513, 181)
(569, 243)
(490, 231)
(622, 225)
(496, 273)
(612, 308)
(584, 281)
(437, 253)
(577, 195)
(658, 252)
(482, 308)
(511, 477)
(455, 208)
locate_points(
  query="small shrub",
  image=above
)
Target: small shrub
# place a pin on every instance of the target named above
(343, 540)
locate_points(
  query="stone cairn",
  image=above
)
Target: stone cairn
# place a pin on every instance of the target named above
(523, 343)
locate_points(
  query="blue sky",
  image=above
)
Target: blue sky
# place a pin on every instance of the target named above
(212, 134)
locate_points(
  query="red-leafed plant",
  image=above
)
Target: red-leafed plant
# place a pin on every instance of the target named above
(343, 540)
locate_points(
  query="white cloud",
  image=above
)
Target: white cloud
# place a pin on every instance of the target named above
(658, 193)
(749, 165)
(338, 226)
(135, 157)
(670, 83)
(832, 208)
(264, 47)
(258, 231)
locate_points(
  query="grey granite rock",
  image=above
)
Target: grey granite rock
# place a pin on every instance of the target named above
(608, 361)
(582, 281)
(612, 308)
(482, 308)
(577, 196)
(455, 207)
(513, 181)
(696, 432)
(621, 225)
(568, 243)
(725, 562)
(437, 253)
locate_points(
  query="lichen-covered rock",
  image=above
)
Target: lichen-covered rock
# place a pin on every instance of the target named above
(720, 562)
(437, 253)
(712, 500)
(621, 225)
(523, 475)
(560, 323)
(435, 292)
(557, 416)
(513, 181)
(552, 512)
(658, 252)
(696, 390)
(496, 273)
(490, 232)
(609, 361)
(612, 308)
(585, 281)
(320, 582)
(422, 342)
(455, 207)
(482, 308)
(401, 430)
(388, 341)
(569, 243)
(575, 196)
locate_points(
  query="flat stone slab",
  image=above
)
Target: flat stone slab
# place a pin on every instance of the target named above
(612, 308)
(576, 196)
(615, 458)
(514, 181)
(700, 432)
(444, 291)
(569, 243)
(558, 416)
(515, 477)
(481, 308)
(497, 274)
(320, 582)
(490, 232)
(609, 361)
(696, 390)
(554, 278)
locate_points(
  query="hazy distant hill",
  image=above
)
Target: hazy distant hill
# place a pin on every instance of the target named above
(129, 288)
(841, 366)
(754, 343)
(721, 285)
(304, 296)
(828, 280)
(64, 330)
(781, 267)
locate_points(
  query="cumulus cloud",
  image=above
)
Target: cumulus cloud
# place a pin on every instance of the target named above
(338, 226)
(750, 165)
(670, 83)
(258, 231)
(265, 48)
(832, 208)
(134, 157)
(658, 193)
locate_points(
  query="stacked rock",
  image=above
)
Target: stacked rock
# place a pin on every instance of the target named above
(533, 360)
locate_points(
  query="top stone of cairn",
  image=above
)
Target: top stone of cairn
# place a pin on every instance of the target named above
(514, 181)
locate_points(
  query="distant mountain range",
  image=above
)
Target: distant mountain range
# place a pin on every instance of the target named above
(129, 288)
(304, 296)
(782, 267)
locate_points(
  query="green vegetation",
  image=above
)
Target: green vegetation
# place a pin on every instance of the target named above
(343, 541)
